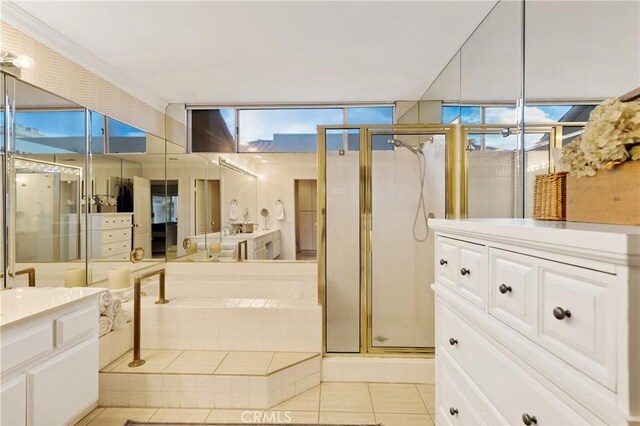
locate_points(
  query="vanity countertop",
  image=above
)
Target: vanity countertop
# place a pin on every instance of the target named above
(616, 241)
(247, 236)
(18, 304)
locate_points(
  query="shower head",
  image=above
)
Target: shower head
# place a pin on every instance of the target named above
(416, 150)
(398, 143)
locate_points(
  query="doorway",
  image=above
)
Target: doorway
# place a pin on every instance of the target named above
(164, 217)
(306, 219)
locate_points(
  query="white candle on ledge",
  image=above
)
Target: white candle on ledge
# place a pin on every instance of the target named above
(119, 278)
(75, 277)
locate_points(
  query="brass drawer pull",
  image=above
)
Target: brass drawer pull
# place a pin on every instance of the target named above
(561, 314)
(504, 289)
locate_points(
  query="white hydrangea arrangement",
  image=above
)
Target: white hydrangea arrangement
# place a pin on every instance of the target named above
(610, 137)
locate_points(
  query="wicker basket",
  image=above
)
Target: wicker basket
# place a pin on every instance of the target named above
(550, 197)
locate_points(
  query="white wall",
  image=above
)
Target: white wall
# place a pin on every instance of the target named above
(277, 183)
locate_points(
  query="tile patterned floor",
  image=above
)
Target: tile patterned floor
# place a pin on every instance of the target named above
(330, 403)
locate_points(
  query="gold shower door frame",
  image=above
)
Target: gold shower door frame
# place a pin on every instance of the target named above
(455, 207)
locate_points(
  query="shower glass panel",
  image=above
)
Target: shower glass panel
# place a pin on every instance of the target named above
(342, 250)
(407, 186)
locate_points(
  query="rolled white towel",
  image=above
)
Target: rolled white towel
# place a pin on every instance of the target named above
(104, 324)
(113, 308)
(120, 320)
(104, 300)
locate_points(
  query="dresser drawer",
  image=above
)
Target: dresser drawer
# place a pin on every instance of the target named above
(513, 290)
(119, 247)
(116, 234)
(453, 408)
(578, 319)
(106, 221)
(446, 261)
(512, 391)
(461, 266)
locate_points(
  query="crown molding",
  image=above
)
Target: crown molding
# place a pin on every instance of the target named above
(18, 18)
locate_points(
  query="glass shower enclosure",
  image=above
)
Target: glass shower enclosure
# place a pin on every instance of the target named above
(377, 187)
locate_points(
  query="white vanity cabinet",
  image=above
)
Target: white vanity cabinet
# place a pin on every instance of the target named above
(48, 355)
(261, 245)
(537, 322)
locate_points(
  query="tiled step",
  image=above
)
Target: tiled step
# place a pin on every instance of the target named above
(219, 324)
(208, 379)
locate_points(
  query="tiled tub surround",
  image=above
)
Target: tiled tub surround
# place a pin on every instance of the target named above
(249, 280)
(208, 379)
(231, 324)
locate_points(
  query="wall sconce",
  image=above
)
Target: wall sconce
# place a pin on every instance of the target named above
(15, 63)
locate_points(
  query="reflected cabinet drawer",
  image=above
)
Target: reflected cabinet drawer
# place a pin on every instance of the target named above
(105, 221)
(460, 265)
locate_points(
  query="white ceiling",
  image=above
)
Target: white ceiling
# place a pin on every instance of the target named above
(254, 52)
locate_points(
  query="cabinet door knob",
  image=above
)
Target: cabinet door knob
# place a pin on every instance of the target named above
(465, 271)
(504, 289)
(561, 314)
(453, 342)
(529, 420)
(453, 411)
(443, 262)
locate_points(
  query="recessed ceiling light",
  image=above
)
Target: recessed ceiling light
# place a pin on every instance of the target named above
(264, 161)
(257, 156)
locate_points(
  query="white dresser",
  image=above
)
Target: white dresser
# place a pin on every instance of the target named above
(111, 235)
(537, 322)
(49, 353)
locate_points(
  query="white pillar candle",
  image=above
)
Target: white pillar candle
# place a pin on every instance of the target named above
(75, 277)
(214, 248)
(119, 278)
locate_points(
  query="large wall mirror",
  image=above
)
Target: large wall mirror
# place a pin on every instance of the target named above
(254, 205)
(78, 191)
(46, 172)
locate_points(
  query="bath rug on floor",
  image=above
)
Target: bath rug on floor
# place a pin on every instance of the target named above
(135, 423)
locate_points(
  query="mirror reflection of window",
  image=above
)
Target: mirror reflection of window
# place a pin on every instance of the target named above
(212, 130)
(123, 138)
(49, 132)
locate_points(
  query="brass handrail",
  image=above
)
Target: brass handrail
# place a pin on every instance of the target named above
(31, 272)
(239, 250)
(137, 284)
